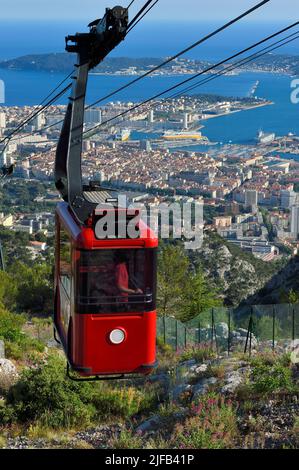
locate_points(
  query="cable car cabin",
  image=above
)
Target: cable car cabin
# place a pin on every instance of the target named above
(105, 299)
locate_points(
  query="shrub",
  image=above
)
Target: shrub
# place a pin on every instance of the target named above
(121, 402)
(270, 358)
(11, 326)
(44, 394)
(200, 353)
(269, 379)
(212, 425)
(8, 290)
(2, 442)
(126, 440)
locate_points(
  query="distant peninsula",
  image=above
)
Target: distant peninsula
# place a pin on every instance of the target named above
(63, 62)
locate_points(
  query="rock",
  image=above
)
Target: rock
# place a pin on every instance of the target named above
(205, 334)
(188, 364)
(242, 332)
(234, 379)
(202, 368)
(179, 390)
(7, 368)
(222, 330)
(151, 424)
(238, 338)
(2, 349)
(203, 386)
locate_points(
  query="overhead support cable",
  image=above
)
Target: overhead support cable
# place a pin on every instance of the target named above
(8, 138)
(144, 14)
(163, 64)
(179, 54)
(209, 69)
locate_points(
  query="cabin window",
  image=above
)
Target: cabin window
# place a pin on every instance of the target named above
(65, 261)
(115, 281)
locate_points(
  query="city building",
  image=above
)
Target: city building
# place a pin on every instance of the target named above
(151, 117)
(222, 222)
(287, 199)
(93, 116)
(145, 145)
(2, 120)
(39, 121)
(295, 221)
(251, 199)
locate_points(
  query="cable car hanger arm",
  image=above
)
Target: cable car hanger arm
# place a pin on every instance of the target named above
(91, 48)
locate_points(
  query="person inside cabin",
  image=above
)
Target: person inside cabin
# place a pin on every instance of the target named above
(122, 276)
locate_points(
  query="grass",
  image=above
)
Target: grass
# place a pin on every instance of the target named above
(212, 425)
(200, 353)
(126, 440)
(271, 379)
(270, 358)
(3, 442)
(169, 409)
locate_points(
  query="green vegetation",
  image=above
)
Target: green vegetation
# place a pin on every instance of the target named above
(212, 425)
(269, 379)
(271, 374)
(18, 345)
(44, 396)
(20, 196)
(200, 353)
(27, 289)
(182, 292)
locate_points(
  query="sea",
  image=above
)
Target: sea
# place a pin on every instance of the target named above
(156, 40)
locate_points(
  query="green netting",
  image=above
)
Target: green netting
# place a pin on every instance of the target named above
(222, 327)
(262, 324)
(171, 331)
(160, 329)
(283, 322)
(271, 325)
(202, 320)
(295, 309)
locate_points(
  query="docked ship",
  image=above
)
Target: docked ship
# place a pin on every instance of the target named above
(183, 135)
(265, 138)
(123, 136)
(254, 88)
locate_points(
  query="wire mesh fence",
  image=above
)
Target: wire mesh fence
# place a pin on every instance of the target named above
(258, 327)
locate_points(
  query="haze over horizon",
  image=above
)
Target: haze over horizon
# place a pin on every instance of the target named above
(171, 25)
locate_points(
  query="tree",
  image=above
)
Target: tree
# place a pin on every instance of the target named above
(172, 276)
(8, 291)
(34, 287)
(289, 297)
(198, 296)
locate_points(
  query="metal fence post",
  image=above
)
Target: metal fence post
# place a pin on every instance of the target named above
(176, 335)
(249, 337)
(164, 327)
(185, 337)
(293, 324)
(229, 328)
(273, 328)
(199, 333)
(214, 332)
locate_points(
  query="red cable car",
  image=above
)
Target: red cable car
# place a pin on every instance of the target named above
(105, 288)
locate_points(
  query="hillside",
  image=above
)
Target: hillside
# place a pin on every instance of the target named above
(63, 62)
(195, 400)
(276, 289)
(237, 274)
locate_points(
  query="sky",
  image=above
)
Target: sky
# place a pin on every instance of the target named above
(170, 10)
